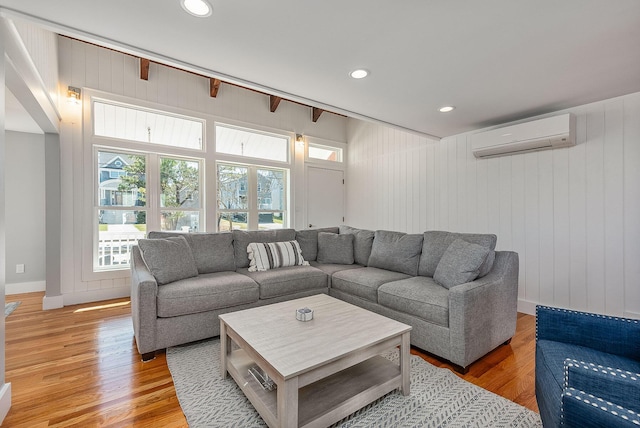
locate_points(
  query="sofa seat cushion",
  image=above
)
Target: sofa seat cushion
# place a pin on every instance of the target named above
(419, 296)
(331, 268)
(205, 292)
(287, 280)
(364, 282)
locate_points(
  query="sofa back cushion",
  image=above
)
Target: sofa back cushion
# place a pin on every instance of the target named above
(334, 248)
(308, 240)
(169, 259)
(396, 251)
(213, 252)
(242, 239)
(436, 243)
(362, 243)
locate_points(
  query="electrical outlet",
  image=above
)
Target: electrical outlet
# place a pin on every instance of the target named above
(20, 268)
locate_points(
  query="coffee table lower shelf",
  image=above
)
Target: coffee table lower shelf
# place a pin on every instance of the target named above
(326, 401)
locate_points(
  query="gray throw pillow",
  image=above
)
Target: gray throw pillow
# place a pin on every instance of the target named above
(436, 243)
(362, 243)
(334, 248)
(396, 251)
(213, 252)
(168, 259)
(460, 263)
(308, 240)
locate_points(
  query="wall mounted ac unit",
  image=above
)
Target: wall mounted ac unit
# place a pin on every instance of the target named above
(542, 134)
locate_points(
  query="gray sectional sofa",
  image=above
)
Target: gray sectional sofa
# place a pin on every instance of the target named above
(455, 290)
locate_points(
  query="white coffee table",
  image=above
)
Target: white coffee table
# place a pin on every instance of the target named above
(325, 369)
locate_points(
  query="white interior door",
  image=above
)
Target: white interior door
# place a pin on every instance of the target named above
(325, 197)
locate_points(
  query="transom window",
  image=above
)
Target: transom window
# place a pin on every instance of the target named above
(134, 123)
(251, 144)
(324, 153)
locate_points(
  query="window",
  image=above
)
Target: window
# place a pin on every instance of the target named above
(121, 208)
(251, 197)
(324, 153)
(179, 194)
(249, 143)
(133, 123)
(142, 190)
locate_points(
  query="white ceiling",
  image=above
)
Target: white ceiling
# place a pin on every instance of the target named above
(495, 60)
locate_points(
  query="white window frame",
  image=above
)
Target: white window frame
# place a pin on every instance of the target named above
(253, 210)
(92, 144)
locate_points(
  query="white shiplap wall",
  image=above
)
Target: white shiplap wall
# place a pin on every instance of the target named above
(572, 214)
(88, 66)
(42, 46)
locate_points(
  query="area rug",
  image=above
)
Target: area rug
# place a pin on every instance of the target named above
(10, 307)
(438, 397)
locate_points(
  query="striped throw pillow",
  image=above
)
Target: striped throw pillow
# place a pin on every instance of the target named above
(270, 255)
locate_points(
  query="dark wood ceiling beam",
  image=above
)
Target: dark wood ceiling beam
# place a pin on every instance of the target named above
(274, 102)
(316, 112)
(144, 68)
(214, 87)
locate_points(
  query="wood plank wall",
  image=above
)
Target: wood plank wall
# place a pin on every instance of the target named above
(88, 66)
(572, 214)
(42, 46)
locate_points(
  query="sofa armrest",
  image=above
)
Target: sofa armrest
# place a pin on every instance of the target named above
(483, 313)
(607, 384)
(144, 290)
(619, 336)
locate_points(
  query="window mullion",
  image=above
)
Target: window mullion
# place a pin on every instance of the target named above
(253, 198)
(153, 192)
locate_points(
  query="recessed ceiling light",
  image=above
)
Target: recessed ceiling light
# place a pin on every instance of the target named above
(359, 74)
(200, 8)
(446, 109)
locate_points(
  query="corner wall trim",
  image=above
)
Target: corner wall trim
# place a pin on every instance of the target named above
(52, 302)
(5, 401)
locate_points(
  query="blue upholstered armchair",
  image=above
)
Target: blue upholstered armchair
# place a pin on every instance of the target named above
(587, 369)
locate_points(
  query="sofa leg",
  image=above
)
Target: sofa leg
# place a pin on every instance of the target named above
(148, 356)
(507, 341)
(460, 369)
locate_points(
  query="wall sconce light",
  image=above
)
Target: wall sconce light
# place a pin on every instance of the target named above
(299, 141)
(73, 95)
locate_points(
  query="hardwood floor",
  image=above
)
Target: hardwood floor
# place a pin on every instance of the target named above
(78, 367)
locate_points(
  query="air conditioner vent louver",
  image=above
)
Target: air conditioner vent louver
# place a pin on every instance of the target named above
(542, 134)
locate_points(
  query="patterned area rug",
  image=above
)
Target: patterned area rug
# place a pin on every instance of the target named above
(438, 397)
(10, 307)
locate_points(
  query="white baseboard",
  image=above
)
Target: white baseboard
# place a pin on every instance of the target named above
(5, 401)
(25, 287)
(52, 302)
(96, 295)
(527, 307)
